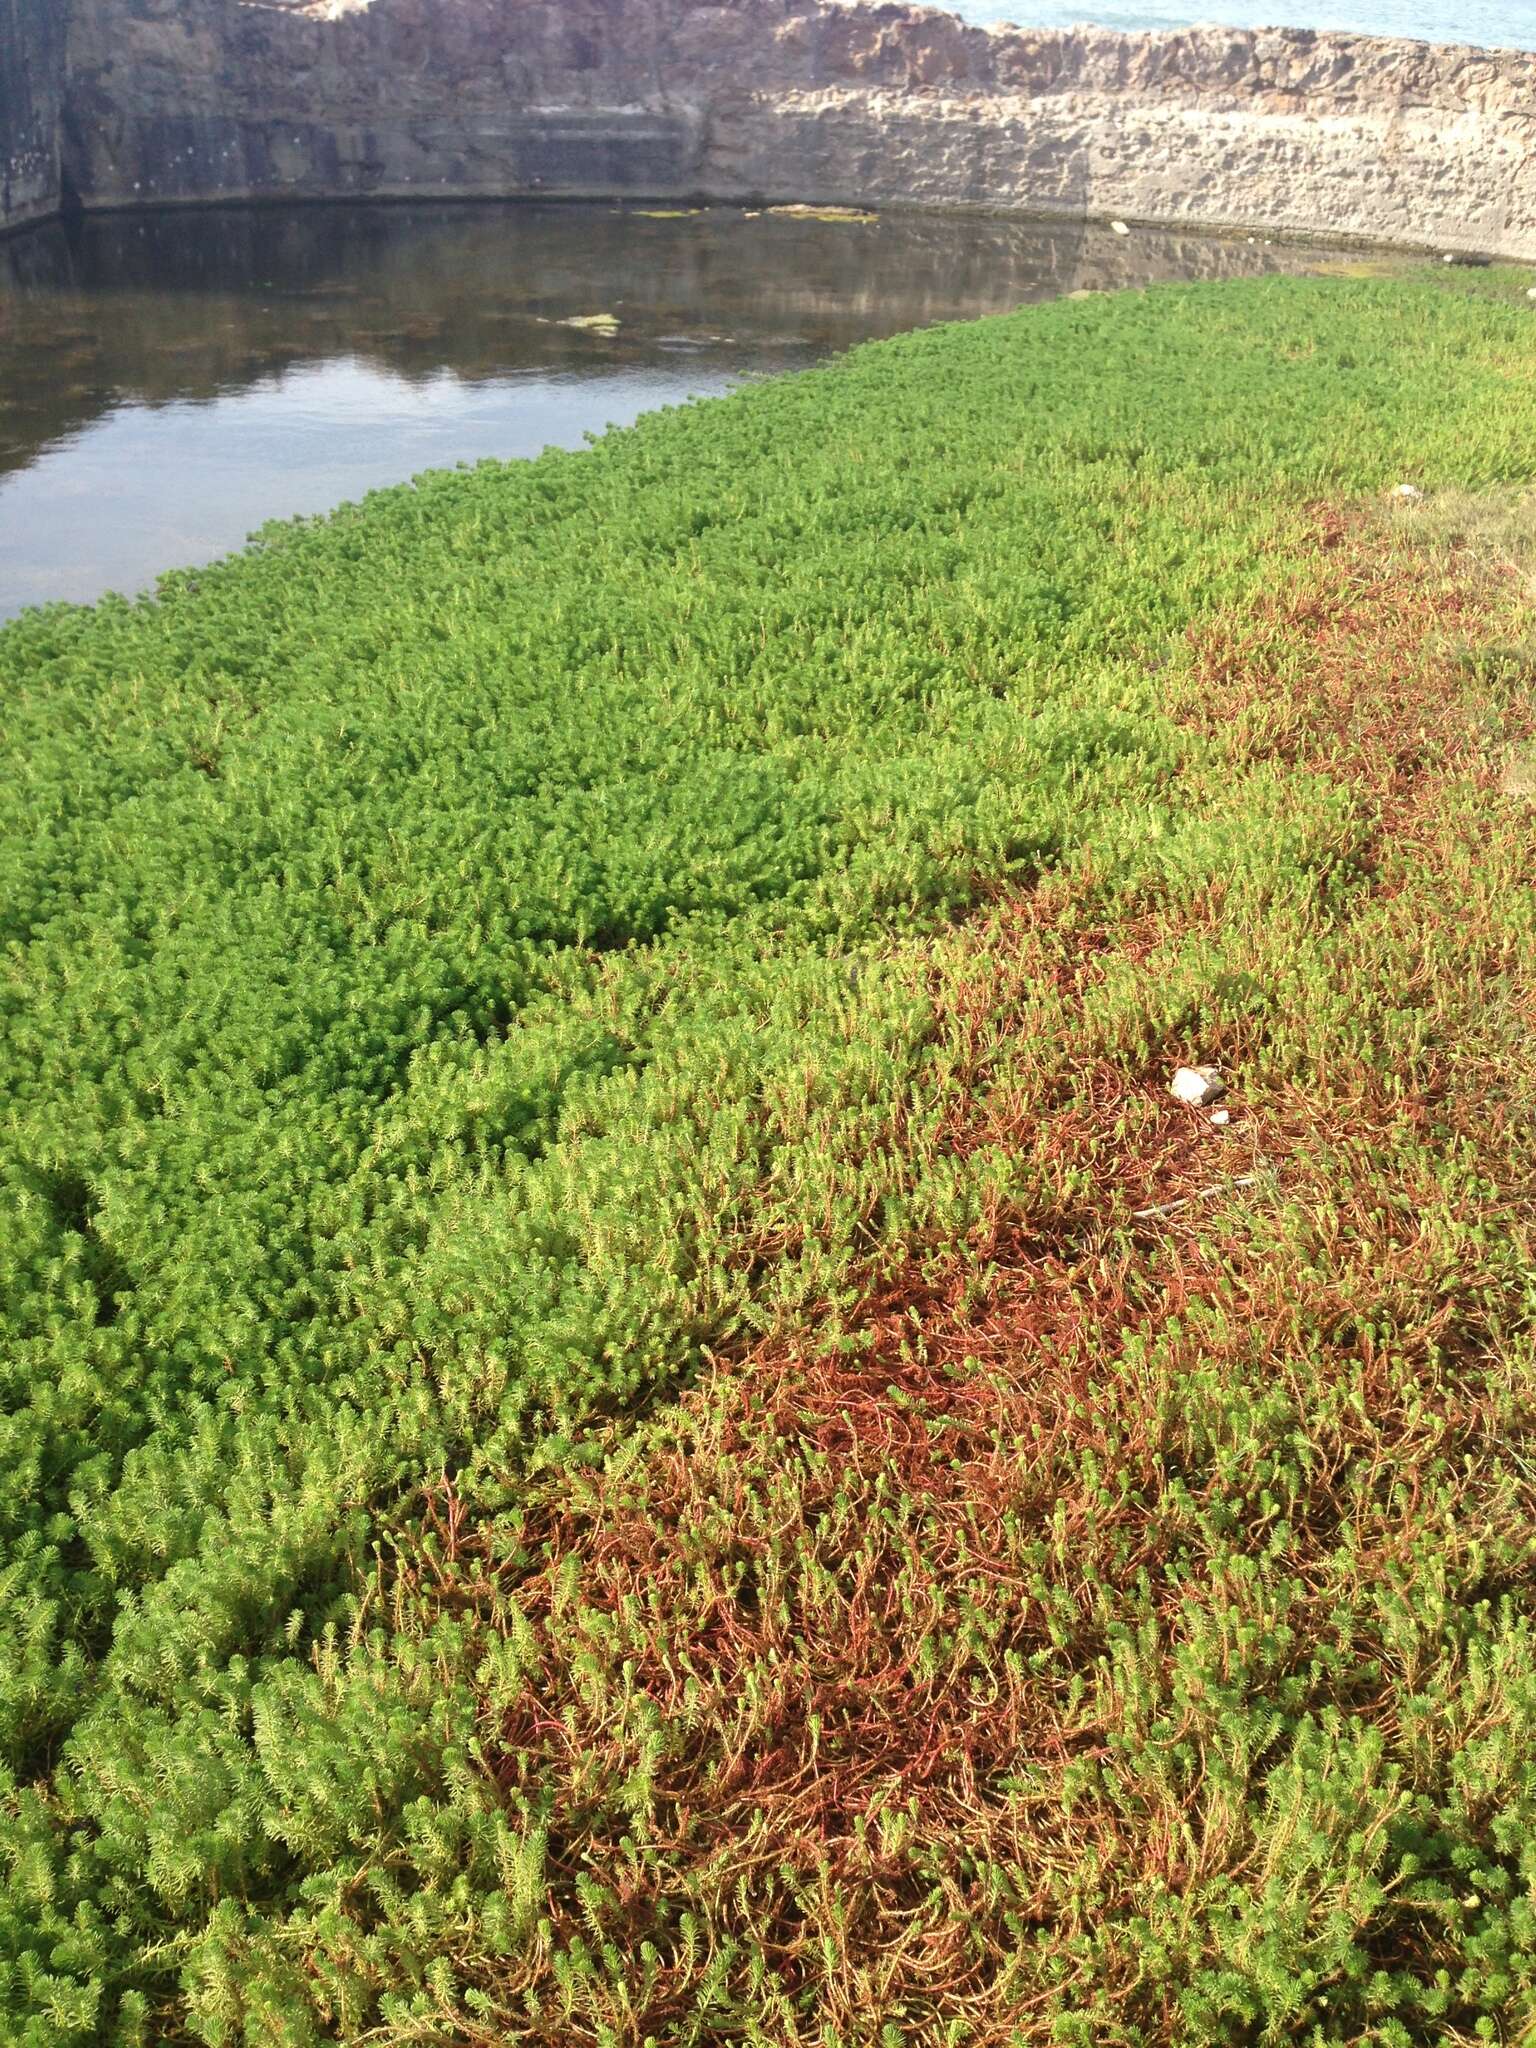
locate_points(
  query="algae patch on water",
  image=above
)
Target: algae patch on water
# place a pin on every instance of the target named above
(857, 215)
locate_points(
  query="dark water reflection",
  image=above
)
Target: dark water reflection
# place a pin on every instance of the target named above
(169, 382)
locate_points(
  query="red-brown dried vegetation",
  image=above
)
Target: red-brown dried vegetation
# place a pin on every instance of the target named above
(1023, 1656)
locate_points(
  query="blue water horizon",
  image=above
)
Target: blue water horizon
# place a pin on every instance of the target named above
(1485, 24)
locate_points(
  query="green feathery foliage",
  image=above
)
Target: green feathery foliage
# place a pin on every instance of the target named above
(475, 957)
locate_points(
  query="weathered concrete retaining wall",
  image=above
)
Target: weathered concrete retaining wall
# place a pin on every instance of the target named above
(31, 82)
(797, 99)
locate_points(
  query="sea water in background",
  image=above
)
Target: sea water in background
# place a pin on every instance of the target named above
(1491, 23)
(170, 381)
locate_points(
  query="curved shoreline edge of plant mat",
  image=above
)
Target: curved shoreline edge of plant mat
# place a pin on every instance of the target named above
(477, 954)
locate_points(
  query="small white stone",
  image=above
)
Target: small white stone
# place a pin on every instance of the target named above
(1118, 227)
(1198, 1086)
(1531, 294)
(1409, 493)
(1221, 1116)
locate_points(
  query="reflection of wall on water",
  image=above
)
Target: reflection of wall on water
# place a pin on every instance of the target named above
(185, 305)
(441, 253)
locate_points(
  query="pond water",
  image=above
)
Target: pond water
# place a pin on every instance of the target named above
(1488, 24)
(170, 382)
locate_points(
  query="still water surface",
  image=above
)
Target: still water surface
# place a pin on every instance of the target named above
(170, 382)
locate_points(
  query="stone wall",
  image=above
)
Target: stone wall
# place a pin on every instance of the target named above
(31, 79)
(797, 99)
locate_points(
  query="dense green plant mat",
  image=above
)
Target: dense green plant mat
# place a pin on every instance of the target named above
(479, 957)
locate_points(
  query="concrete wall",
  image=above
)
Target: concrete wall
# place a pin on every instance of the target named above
(31, 81)
(797, 99)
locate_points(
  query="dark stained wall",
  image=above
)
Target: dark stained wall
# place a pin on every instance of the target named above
(31, 78)
(1272, 131)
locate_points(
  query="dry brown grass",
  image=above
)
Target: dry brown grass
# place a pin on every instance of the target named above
(917, 1668)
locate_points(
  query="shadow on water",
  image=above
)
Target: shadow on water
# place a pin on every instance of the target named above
(169, 381)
